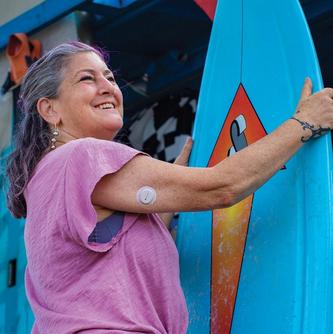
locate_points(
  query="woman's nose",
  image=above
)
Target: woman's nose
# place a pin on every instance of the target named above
(106, 86)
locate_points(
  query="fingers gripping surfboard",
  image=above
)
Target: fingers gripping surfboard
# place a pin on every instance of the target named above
(262, 266)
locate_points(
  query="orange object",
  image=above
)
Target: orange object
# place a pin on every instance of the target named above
(21, 53)
(17, 50)
(230, 225)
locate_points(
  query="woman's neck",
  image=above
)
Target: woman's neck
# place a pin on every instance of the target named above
(64, 137)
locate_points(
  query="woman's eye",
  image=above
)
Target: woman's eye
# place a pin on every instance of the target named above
(87, 77)
(111, 79)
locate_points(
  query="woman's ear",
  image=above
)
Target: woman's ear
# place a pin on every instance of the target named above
(46, 110)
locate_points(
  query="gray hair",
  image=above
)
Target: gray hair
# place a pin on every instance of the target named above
(32, 137)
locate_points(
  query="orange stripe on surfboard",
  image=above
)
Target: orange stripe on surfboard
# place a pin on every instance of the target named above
(230, 225)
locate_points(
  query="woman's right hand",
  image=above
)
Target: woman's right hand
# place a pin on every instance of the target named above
(315, 111)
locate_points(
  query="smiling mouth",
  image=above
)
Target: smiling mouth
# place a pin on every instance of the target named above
(106, 106)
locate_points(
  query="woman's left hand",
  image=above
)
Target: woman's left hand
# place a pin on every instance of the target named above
(184, 155)
(182, 160)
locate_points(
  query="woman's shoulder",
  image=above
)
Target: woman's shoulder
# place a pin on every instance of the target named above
(62, 154)
(82, 151)
(83, 146)
(84, 156)
(87, 143)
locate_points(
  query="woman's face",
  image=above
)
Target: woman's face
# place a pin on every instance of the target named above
(90, 103)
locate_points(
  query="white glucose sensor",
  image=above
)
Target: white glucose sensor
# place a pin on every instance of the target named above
(146, 195)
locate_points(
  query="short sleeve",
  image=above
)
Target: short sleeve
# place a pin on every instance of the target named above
(89, 161)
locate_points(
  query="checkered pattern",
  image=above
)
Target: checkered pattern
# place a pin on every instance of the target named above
(161, 129)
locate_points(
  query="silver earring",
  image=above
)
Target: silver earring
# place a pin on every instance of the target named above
(55, 133)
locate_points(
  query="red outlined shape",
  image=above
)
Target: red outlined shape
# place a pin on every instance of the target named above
(230, 225)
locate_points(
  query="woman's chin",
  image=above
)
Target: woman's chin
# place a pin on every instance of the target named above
(113, 131)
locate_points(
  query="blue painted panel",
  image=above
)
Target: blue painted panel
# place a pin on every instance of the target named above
(220, 81)
(37, 17)
(115, 3)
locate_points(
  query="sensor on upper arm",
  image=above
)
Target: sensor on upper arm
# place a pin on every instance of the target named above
(146, 195)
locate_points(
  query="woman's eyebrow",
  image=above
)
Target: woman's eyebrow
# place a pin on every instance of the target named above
(92, 71)
(108, 71)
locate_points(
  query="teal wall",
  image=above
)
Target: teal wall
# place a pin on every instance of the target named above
(15, 314)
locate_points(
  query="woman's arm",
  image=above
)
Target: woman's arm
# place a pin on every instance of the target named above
(181, 188)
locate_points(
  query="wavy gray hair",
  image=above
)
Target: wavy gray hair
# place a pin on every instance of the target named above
(32, 138)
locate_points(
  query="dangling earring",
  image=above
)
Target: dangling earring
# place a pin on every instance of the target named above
(55, 133)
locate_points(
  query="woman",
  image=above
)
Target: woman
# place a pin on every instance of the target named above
(100, 260)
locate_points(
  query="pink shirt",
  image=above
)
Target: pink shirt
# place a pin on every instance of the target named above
(129, 284)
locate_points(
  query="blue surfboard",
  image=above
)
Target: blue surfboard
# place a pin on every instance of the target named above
(265, 265)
